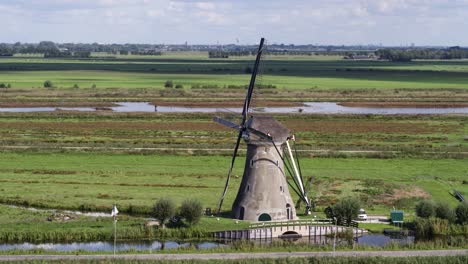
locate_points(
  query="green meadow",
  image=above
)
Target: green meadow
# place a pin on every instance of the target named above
(88, 161)
(93, 181)
(196, 69)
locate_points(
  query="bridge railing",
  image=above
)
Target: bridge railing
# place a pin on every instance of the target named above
(292, 223)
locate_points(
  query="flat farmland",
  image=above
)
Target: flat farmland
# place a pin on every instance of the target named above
(90, 160)
(295, 73)
(320, 80)
(188, 134)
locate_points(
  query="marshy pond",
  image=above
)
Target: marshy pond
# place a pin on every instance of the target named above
(307, 108)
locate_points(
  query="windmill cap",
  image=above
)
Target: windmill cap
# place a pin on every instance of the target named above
(270, 126)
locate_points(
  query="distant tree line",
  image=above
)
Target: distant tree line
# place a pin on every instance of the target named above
(405, 55)
(227, 54)
(51, 49)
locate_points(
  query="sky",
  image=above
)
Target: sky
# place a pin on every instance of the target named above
(326, 22)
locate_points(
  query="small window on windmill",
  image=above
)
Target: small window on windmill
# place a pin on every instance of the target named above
(281, 188)
(251, 163)
(248, 188)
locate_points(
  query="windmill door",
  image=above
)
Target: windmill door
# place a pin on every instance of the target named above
(288, 212)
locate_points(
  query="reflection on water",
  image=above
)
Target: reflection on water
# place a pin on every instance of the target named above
(109, 246)
(381, 240)
(370, 239)
(309, 108)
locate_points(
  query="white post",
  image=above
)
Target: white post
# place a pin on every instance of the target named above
(115, 231)
(114, 216)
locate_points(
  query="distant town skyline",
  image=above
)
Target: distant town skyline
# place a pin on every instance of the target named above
(332, 22)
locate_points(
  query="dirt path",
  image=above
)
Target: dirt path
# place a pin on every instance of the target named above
(416, 253)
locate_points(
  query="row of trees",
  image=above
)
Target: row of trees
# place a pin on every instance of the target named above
(428, 209)
(51, 47)
(190, 211)
(227, 54)
(170, 84)
(48, 48)
(346, 210)
(402, 55)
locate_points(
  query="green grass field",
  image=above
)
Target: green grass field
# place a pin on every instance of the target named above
(192, 69)
(96, 181)
(84, 161)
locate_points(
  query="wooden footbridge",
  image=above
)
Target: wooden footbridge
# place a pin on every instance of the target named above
(297, 228)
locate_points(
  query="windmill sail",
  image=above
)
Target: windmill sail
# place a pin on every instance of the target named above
(241, 127)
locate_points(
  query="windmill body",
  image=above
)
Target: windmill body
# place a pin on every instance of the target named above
(263, 194)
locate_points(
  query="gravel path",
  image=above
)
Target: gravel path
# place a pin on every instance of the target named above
(421, 253)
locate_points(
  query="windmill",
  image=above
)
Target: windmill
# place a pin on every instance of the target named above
(264, 194)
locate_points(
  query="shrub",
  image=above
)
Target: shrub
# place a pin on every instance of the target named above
(425, 209)
(344, 210)
(179, 86)
(48, 84)
(2, 85)
(163, 210)
(444, 211)
(462, 213)
(423, 228)
(191, 211)
(9, 85)
(75, 86)
(93, 86)
(168, 84)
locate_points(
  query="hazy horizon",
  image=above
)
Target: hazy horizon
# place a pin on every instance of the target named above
(333, 22)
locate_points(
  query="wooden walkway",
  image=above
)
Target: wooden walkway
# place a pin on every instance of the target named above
(302, 228)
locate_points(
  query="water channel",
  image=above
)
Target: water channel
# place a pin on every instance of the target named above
(378, 240)
(308, 108)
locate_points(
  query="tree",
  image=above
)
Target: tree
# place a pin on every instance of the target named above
(344, 210)
(462, 213)
(425, 209)
(169, 84)
(48, 84)
(47, 47)
(191, 211)
(163, 210)
(179, 86)
(444, 211)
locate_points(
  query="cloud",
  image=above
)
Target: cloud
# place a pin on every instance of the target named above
(391, 22)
